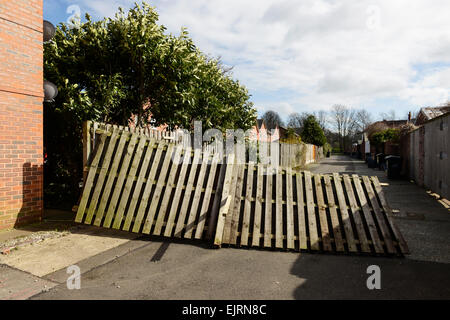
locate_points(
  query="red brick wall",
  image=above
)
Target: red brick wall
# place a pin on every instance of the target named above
(21, 122)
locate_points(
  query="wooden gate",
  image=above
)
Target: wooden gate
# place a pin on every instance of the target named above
(140, 184)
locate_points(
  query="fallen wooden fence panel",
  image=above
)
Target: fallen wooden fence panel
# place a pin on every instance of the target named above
(140, 184)
(301, 214)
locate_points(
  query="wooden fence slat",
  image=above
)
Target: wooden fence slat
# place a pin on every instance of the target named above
(187, 193)
(302, 235)
(101, 177)
(312, 223)
(138, 187)
(268, 213)
(217, 201)
(333, 215)
(207, 197)
(389, 216)
(344, 214)
(148, 188)
(178, 190)
(129, 184)
(256, 233)
(90, 180)
(111, 177)
(326, 241)
(197, 197)
(367, 215)
(152, 211)
(379, 216)
(279, 210)
(237, 204)
(120, 180)
(289, 210)
(229, 217)
(162, 211)
(247, 205)
(356, 214)
(225, 201)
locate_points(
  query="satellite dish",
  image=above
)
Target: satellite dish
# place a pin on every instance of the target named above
(49, 30)
(50, 91)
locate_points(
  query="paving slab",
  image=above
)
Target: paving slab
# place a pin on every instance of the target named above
(19, 285)
(51, 255)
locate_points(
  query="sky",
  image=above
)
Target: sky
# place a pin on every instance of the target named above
(307, 55)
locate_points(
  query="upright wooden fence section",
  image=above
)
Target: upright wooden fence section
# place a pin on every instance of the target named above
(140, 184)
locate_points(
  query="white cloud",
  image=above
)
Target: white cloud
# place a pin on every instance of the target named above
(322, 51)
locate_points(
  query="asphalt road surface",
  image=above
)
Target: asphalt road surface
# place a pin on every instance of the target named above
(162, 269)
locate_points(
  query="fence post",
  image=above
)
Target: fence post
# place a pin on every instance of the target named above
(86, 146)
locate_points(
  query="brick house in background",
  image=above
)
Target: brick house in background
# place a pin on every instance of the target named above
(21, 112)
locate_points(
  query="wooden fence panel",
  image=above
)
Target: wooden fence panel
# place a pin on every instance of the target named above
(159, 188)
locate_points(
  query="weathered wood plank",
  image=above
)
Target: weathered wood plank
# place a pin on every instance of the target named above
(289, 210)
(237, 204)
(197, 196)
(162, 211)
(268, 213)
(178, 190)
(207, 197)
(148, 188)
(256, 234)
(344, 214)
(279, 209)
(389, 216)
(312, 223)
(129, 183)
(337, 234)
(325, 232)
(356, 214)
(158, 190)
(120, 181)
(101, 177)
(187, 193)
(247, 205)
(367, 215)
(111, 177)
(302, 235)
(139, 183)
(90, 180)
(217, 201)
(229, 217)
(379, 216)
(225, 201)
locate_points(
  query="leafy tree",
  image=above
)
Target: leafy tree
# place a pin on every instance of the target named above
(380, 137)
(112, 69)
(272, 120)
(108, 70)
(312, 132)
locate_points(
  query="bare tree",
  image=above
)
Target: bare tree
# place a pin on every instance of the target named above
(272, 120)
(388, 115)
(321, 117)
(363, 119)
(344, 123)
(296, 120)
